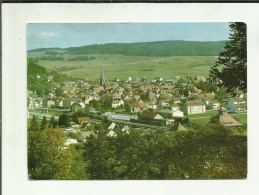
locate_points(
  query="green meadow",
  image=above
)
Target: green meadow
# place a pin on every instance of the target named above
(122, 66)
(121, 60)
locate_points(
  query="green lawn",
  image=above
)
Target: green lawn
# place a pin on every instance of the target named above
(240, 117)
(120, 66)
(205, 118)
(202, 118)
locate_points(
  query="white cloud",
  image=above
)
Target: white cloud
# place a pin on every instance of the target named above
(45, 35)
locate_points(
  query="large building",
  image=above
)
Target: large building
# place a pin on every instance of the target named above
(102, 79)
(194, 107)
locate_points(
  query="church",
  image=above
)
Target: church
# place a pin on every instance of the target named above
(102, 79)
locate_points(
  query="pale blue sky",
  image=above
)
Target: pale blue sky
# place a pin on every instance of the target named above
(63, 35)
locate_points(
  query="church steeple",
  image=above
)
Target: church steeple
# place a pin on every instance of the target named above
(102, 79)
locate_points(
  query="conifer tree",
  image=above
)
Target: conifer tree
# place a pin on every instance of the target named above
(230, 69)
(43, 123)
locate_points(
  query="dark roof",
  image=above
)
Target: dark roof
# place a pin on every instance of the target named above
(84, 125)
(177, 127)
(148, 114)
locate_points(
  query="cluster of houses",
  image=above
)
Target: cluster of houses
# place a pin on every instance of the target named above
(150, 99)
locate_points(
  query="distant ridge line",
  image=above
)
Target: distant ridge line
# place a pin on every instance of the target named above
(155, 48)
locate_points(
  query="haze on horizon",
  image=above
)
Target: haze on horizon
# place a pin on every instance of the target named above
(64, 35)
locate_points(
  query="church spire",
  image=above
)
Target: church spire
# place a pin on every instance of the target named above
(102, 79)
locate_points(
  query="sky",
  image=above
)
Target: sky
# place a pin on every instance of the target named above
(64, 35)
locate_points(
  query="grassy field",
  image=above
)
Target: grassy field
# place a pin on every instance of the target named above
(202, 118)
(122, 66)
(240, 117)
(205, 118)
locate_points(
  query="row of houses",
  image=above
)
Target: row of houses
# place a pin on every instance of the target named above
(160, 95)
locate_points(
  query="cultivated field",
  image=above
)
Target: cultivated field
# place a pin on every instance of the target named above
(122, 66)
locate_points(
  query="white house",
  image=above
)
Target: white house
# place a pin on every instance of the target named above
(49, 78)
(30, 104)
(81, 104)
(240, 94)
(177, 100)
(175, 107)
(87, 134)
(111, 125)
(236, 101)
(38, 76)
(88, 98)
(71, 141)
(125, 128)
(215, 104)
(50, 103)
(178, 114)
(149, 115)
(164, 102)
(117, 103)
(194, 107)
(157, 79)
(61, 103)
(201, 78)
(137, 107)
(237, 105)
(111, 133)
(151, 105)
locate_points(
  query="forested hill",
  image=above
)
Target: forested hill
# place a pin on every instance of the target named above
(159, 48)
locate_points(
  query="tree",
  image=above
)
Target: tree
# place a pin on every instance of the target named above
(95, 104)
(78, 114)
(52, 123)
(230, 69)
(46, 157)
(64, 120)
(34, 68)
(59, 92)
(43, 123)
(127, 106)
(106, 102)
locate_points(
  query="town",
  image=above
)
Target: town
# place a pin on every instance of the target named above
(140, 103)
(128, 109)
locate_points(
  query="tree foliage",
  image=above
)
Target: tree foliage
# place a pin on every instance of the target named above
(44, 123)
(64, 120)
(47, 158)
(209, 152)
(34, 68)
(53, 123)
(230, 69)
